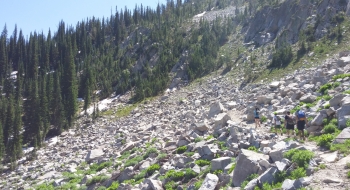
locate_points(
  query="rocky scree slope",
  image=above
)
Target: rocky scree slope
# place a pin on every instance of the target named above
(198, 137)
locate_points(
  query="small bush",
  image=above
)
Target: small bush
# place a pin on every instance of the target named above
(325, 87)
(133, 161)
(348, 174)
(298, 173)
(198, 139)
(161, 156)
(348, 165)
(232, 168)
(217, 172)
(348, 123)
(343, 148)
(149, 151)
(341, 76)
(263, 119)
(174, 175)
(336, 84)
(322, 166)
(209, 137)
(202, 163)
(190, 174)
(170, 185)
(114, 186)
(300, 157)
(181, 149)
(101, 188)
(281, 176)
(198, 184)
(141, 175)
(152, 169)
(97, 179)
(325, 140)
(334, 122)
(327, 106)
(253, 148)
(189, 154)
(327, 97)
(99, 167)
(330, 128)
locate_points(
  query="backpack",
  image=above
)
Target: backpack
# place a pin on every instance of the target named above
(278, 118)
(290, 120)
(301, 115)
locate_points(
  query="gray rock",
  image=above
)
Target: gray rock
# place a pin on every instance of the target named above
(215, 109)
(247, 164)
(221, 120)
(336, 100)
(220, 163)
(281, 166)
(209, 182)
(319, 118)
(201, 127)
(288, 184)
(308, 98)
(276, 155)
(94, 155)
(268, 176)
(345, 101)
(180, 161)
(154, 184)
(128, 147)
(343, 136)
(126, 174)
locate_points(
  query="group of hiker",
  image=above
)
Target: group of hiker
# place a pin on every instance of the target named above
(299, 119)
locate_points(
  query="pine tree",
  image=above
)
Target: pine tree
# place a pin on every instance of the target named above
(2, 146)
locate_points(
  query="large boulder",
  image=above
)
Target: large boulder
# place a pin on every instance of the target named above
(336, 100)
(215, 109)
(94, 155)
(274, 84)
(201, 127)
(180, 161)
(308, 98)
(247, 164)
(221, 120)
(319, 118)
(220, 163)
(341, 114)
(209, 182)
(343, 136)
(126, 174)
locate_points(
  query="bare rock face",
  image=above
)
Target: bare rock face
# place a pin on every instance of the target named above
(210, 182)
(248, 163)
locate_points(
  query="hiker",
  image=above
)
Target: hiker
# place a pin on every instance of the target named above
(257, 118)
(277, 121)
(301, 122)
(289, 123)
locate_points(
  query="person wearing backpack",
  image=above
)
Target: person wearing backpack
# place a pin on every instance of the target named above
(257, 117)
(301, 122)
(289, 123)
(277, 121)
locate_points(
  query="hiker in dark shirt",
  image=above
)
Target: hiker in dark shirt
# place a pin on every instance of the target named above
(289, 123)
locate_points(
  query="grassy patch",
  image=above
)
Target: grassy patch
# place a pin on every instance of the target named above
(174, 175)
(341, 76)
(343, 148)
(300, 157)
(209, 137)
(97, 179)
(248, 179)
(202, 163)
(99, 167)
(198, 139)
(253, 148)
(298, 173)
(232, 168)
(189, 154)
(133, 161)
(181, 149)
(114, 186)
(152, 169)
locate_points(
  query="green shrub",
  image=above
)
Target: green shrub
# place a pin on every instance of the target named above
(232, 168)
(300, 157)
(330, 128)
(325, 140)
(253, 148)
(327, 97)
(281, 176)
(189, 154)
(202, 163)
(124, 156)
(174, 175)
(209, 137)
(348, 165)
(171, 185)
(267, 186)
(141, 175)
(133, 161)
(190, 174)
(114, 186)
(149, 151)
(298, 173)
(152, 169)
(346, 92)
(325, 121)
(263, 119)
(327, 106)
(101, 188)
(322, 166)
(198, 139)
(217, 172)
(181, 149)
(348, 123)
(99, 167)
(348, 174)
(336, 84)
(44, 186)
(97, 179)
(341, 76)
(161, 156)
(222, 145)
(334, 122)
(198, 184)
(325, 87)
(343, 148)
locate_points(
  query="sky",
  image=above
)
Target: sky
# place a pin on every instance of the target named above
(40, 15)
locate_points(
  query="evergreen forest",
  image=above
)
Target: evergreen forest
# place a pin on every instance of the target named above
(43, 75)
